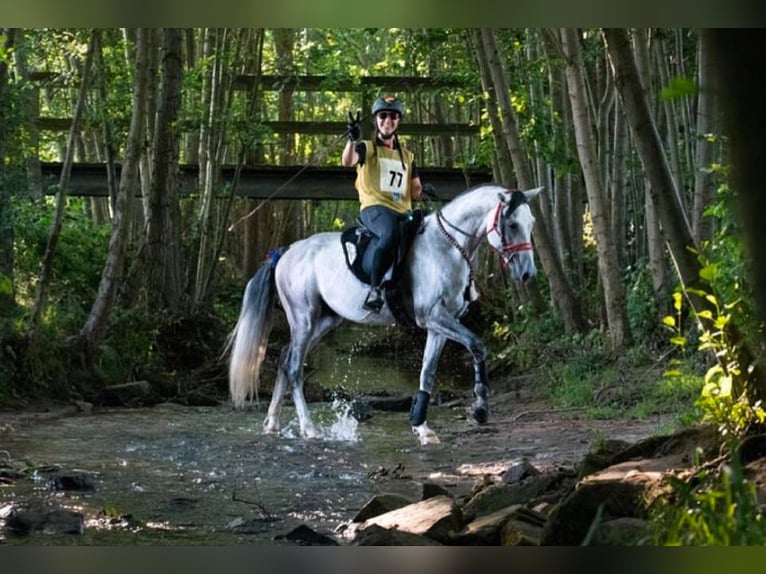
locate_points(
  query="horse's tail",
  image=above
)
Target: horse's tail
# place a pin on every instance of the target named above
(250, 336)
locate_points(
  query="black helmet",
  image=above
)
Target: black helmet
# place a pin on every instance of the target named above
(387, 103)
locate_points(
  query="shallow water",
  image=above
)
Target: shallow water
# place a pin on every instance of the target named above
(208, 475)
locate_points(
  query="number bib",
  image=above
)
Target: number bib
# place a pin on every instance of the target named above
(393, 178)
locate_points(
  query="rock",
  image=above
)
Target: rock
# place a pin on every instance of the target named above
(306, 536)
(380, 504)
(625, 531)
(375, 535)
(135, 394)
(68, 480)
(438, 518)
(621, 490)
(485, 531)
(498, 496)
(518, 472)
(388, 404)
(38, 518)
(431, 489)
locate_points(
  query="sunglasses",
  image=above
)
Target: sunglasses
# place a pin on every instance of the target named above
(387, 115)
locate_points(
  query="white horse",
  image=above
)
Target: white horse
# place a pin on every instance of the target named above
(318, 292)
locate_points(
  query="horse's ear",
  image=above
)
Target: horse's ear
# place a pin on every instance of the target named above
(532, 193)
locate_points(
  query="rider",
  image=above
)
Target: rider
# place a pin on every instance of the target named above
(387, 181)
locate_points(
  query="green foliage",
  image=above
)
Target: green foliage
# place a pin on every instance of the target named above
(679, 87)
(725, 397)
(80, 256)
(710, 508)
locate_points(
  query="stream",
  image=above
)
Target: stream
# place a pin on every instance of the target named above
(173, 474)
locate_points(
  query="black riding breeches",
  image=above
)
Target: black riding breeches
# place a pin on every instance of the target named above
(383, 223)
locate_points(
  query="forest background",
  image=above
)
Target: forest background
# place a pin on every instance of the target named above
(642, 250)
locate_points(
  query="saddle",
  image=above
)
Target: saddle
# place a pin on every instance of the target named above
(398, 293)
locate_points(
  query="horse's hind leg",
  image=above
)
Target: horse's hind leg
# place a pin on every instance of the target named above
(431, 354)
(298, 351)
(271, 423)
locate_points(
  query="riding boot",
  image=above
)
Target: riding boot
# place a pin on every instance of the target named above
(374, 300)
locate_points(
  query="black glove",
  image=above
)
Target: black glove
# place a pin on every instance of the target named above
(353, 129)
(430, 191)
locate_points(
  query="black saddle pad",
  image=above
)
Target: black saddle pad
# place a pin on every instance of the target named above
(355, 241)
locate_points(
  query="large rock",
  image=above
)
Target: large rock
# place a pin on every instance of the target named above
(380, 504)
(437, 518)
(511, 526)
(619, 491)
(375, 535)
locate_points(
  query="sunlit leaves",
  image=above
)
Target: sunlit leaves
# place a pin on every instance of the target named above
(678, 87)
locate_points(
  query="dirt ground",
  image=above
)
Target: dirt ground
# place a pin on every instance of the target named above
(522, 424)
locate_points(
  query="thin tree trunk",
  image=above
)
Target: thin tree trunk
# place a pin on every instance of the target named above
(32, 112)
(7, 284)
(501, 153)
(609, 271)
(704, 189)
(92, 331)
(162, 257)
(655, 243)
(106, 123)
(46, 268)
(619, 184)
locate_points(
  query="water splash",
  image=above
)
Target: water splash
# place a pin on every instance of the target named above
(346, 427)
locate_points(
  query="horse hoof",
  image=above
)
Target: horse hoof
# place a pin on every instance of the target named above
(309, 433)
(480, 414)
(425, 435)
(270, 426)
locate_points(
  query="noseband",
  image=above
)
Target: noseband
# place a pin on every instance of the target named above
(495, 236)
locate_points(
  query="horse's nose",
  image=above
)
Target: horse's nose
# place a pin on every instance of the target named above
(525, 276)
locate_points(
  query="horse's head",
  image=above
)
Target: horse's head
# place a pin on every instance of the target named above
(509, 232)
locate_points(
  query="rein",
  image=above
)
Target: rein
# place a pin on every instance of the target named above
(452, 241)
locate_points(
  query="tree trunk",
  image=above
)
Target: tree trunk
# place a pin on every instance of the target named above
(735, 54)
(161, 256)
(614, 293)
(704, 189)
(32, 112)
(619, 184)
(46, 268)
(570, 309)
(675, 226)
(93, 329)
(7, 290)
(655, 243)
(106, 122)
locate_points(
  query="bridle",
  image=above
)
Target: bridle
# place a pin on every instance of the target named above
(495, 236)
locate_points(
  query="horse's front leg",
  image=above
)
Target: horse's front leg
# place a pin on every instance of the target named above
(451, 328)
(418, 413)
(480, 406)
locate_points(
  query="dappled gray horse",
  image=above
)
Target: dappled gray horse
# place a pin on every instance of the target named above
(318, 292)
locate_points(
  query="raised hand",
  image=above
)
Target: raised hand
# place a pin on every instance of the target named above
(353, 128)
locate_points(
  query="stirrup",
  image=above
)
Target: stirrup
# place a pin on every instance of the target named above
(374, 301)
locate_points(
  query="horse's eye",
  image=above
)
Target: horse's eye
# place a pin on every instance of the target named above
(514, 227)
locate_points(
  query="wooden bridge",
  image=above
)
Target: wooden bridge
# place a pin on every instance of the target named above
(272, 182)
(294, 182)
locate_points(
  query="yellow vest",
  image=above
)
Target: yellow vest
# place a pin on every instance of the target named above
(383, 180)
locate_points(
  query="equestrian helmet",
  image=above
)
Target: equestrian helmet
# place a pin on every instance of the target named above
(387, 103)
